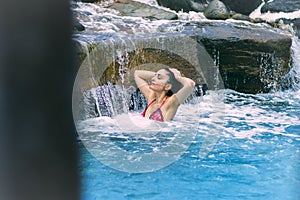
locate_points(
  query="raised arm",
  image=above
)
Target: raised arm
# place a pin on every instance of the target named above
(141, 78)
(187, 83)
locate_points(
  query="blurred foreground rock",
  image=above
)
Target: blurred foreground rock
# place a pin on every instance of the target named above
(37, 134)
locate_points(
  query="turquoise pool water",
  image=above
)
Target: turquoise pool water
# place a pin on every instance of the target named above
(256, 155)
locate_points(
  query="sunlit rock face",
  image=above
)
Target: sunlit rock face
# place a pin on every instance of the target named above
(137, 9)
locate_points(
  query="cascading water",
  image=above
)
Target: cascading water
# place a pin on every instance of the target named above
(111, 100)
(292, 79)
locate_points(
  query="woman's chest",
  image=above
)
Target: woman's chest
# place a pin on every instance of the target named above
(155, 109)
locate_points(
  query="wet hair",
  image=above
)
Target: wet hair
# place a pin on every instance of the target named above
(176, 85)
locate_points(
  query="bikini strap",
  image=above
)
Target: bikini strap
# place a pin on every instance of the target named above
(151, 102)
(164, 101)
(144, 112)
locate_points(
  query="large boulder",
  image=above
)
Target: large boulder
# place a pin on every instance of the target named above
(242, 6)
(281, 6)
(216, 10)
(250, 59)
(138, 9)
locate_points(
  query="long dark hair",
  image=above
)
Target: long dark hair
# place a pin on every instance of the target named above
(175, 84)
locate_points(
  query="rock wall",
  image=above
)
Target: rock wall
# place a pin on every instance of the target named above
(251, 59)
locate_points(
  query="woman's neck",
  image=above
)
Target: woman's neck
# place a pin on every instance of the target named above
(159, 96)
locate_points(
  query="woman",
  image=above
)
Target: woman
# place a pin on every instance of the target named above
(164, 91)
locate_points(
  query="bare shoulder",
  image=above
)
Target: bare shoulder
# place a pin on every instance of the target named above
(172, 102)
(171, 107)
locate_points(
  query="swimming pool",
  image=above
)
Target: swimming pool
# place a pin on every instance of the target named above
(246, 148)
(255, 156)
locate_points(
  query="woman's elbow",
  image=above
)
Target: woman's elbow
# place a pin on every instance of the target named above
(137, 73)
(189, 83)
(192, 83)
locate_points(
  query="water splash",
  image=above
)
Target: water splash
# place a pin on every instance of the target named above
(250, 116)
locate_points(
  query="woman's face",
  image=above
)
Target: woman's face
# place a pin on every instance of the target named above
(160, 80)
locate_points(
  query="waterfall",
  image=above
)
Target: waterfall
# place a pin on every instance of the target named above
(296, 63)
(292, 79)
(268, 70)
(111, 100)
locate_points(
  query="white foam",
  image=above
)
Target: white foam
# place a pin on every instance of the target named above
(242, 117)
(191, 16)
(134, 123)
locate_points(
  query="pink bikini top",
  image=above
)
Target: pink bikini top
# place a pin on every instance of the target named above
(157, 114)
